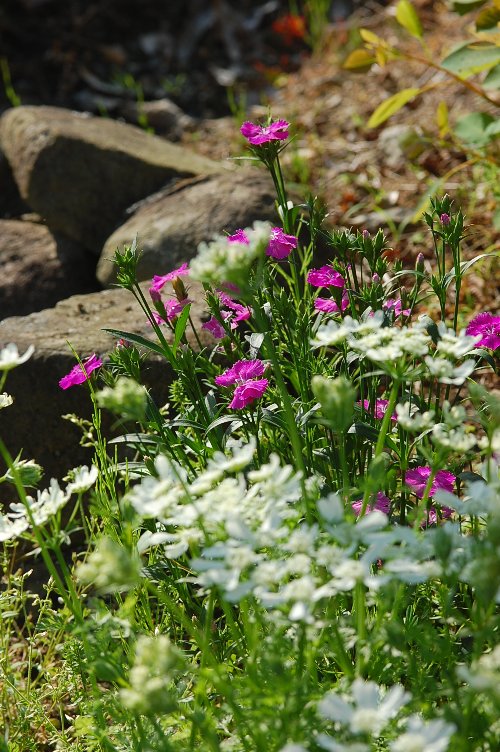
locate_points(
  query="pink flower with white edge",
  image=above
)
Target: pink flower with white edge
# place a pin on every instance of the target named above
(488, 327)
(382, 503)
(380, 408)
(245, 375)
(80, 373)
(280, 244)
(158, 282)
(325, 277)
(328, 305)
(393, 304)
(264, 134)
(239, 236)
(418, 477)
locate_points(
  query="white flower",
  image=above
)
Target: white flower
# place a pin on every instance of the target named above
(455, 345)
(412, 420)
(110, 567)
(331, 333)
(371, 708)
(11, 529)
(10, 358)
(453, 439)
(221, 260)
(326, 742)
(5, 400)
(446, 373)
(483, 674)
(48, 503)
(82, 479)
(424, 736)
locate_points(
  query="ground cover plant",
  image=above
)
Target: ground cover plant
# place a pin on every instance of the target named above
(301, 550)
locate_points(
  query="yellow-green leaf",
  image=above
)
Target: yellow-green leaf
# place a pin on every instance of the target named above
(392, 105)
(371, 38)
(359, 60)
(442, 118)
(407, 16)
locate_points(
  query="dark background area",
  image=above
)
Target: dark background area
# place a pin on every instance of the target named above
(84, 55)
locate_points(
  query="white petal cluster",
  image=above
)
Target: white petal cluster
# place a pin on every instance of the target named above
(424, 736)
(412, 420)
(220, 261)
(10, 358)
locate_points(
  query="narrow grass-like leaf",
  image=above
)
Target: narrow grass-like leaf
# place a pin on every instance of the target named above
(136, 339)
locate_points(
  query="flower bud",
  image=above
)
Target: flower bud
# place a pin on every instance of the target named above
(445, 219)
(419, 263)
(336, 397)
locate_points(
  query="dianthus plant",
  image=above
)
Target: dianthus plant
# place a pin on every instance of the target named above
(306, 552)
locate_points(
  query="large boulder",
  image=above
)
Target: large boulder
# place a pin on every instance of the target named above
(38, 268)
(34, 423)
(170, 226)
(81, 172)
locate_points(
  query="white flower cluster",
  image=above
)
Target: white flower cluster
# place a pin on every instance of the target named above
(48, 502)
(223, 261)
(388, 346)
(368, 709)
(246, 534)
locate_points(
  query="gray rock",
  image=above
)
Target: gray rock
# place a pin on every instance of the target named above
(170, 226)
(37, 268)
(34, 423)
(81, 172)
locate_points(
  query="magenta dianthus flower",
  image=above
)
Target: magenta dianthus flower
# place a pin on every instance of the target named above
(280, 245)
(239, 236)
(245, 375)
(325, 277)
(431, 518)
(488, 327)
(380, 408)
(263, 134)
(247, 392)
(395, 304)
(159, 281)
(238, 311)
(328, 305)
(215, 327)
(382, 503)
(80, 373)
(418, 477)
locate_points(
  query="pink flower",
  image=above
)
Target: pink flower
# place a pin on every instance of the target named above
(173, 308)
(488, 327)
(263, 134)
(238, 312)
(215, 328)
(159, 282)
(431, 518)
(245, 374)
(280, 245)
(382, 503)
(241, 371)
(418, 477)
(80, 373)
(328, 305)
(380, 408)
(393, 304)
(325, 277)
(239, 236)
(247, 392)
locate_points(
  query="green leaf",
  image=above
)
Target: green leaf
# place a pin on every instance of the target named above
(359, 61)
(492, 80)
(180, 326)
(472, 58)
(391, 106)
(472, 128)
(465, 6)
(407, 16)
(488, 19)
(137, 339)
